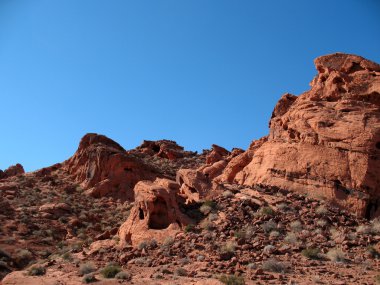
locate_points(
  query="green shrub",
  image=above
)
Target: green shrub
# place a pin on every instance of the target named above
(89, 278)
(205, 209)
(296, 226)
(23, 257)
(268, 211)
(228, 194)
(274, 265)
(241, 234)
(36, 270)
(269, 226)
(336, 255)
(122, 275)
(209, 203)
(110, 271)
(86, 268)
(231, 280)
(227, 251)
(373, 252)
(67, 256)
(180, 272)
(322, 210)
(311, 253)
(189, 228)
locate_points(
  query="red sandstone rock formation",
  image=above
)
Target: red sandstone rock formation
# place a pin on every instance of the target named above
(104, 168)
(12, 171)
(195, 185)
(326, 142)
(164, 149)
(155, 214)
(217, 153)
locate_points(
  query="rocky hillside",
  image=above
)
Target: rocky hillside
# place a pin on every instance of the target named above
(299, 206)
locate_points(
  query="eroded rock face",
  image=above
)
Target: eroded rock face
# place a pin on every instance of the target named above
(104, 168)
(155, 215)
(326, 142)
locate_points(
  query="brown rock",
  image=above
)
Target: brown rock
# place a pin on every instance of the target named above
(155, 214)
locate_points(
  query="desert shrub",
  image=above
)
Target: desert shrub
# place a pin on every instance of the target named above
(205, 209)
(283, 207)
(23, 257)
(311, 253)
(296, 226)
(269, 226)
(110, 271)
(143, 245)
(189, 228)
(322, 223)
(212, 217)
(241, 234)
(364, 229)
(180, 271)
(122, 275)
(207, 225)
(274, 234)
(336, 255)
(210, 203)
(67, 256)
(334, 233)
(36, 270)
(268, 211)
(228, 194)
(89, 278)
(274, 265)
(86, 268)
(168, 242)
(227, 250)
(373, 252)
(322, 210)
(269, 249)
(231, 280)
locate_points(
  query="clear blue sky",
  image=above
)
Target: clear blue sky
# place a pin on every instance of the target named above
(198, 72)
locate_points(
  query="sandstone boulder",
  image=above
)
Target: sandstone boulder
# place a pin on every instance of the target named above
(104, 168)
(55, 209)
(326, 142)
(155, 214)
(195, 185)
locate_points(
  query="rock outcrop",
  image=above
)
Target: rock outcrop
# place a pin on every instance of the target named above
(165, 149)
(155, 214)
(326, 142)
(195, 185)
(12, 171)
(104, 168)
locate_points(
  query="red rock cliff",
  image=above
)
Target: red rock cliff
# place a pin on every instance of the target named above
(326, 142)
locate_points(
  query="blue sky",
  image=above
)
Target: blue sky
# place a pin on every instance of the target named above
(198, 72)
